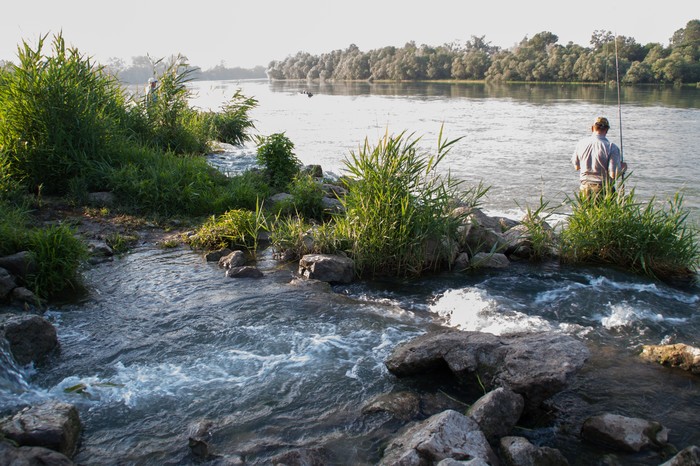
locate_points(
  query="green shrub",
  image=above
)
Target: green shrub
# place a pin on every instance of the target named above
(58, 255)
(292, 237)
(275, 154)
(307, 198)
(58, 114)
(243, 191)
(233, 229)
(397, 210)
(13, 228)
(643, 238)
(543, 241)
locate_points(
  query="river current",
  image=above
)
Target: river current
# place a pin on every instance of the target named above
(165, 342)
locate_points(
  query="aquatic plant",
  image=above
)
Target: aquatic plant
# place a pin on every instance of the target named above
(397, 210)
(293, 236)
(275, 153)
(232, 123)
(307, 198)
(233, 229)
(543, 241)
(644, 238)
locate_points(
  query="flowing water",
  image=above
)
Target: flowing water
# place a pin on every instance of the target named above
(165, 343)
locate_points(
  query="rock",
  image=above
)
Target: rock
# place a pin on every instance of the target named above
(327, 268)
(25, 295)
(246, 271)
(315, 171)
(52, 425)
(99, 248)
(214, 256)
(624, 433)
(518, 451)
(401, 405)
(31, 337)
(497, 412)
(332, 205)
(20, 456)
(534, 365)
(474, 462)
(7, 284)
(490, 260)
(687, 457)
(480, 239)
(679, 355)
(518, 241)
(334, 191)
(445, 435)
(20, 264)
(234, 259)
(302, 457)
(462, 262)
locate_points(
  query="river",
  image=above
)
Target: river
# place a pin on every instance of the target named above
(165, 341)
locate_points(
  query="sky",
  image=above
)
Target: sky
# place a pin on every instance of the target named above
(255, 32)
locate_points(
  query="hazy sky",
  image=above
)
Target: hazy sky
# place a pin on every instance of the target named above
(255, 32)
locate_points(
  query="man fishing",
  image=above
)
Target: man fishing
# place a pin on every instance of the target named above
(598, 160)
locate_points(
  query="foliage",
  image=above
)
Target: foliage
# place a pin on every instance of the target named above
(539, 232)
(13, 228)
(233, 229)
(293, 237)
(307, 196)
(59, 113)
(539, 58)
(397, 211)
(243, 191)
(58, 254)
(616, 229)
(232, 123)
(275, 154)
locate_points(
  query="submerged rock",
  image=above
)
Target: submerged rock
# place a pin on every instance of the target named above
(20, 456)
(687, 457)
(624, 433)
(246, 271)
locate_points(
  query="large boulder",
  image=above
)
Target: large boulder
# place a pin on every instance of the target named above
(624, 433)
(52, 425)
(534, 365)
(12, 455)
(31, 337)
(490, 260)
(445, 435)
(679, 355)
(20, 264)
(234, 259)
(327, 268)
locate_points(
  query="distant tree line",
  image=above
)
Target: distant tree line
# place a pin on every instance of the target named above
(540, 59)
(144, 67)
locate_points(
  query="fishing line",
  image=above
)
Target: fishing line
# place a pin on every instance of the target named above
(619, 104)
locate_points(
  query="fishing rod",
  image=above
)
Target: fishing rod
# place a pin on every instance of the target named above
(619, 104)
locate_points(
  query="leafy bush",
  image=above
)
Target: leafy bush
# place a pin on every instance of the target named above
(397, 210)
(292, 237)
(232, 123)
(616, 229)
(307, 198)
(275, 154)
(13, 228)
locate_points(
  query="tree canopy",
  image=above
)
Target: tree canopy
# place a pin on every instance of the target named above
(537, 59)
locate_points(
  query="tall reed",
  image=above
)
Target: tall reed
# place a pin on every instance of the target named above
(397, 210)
(644, 238)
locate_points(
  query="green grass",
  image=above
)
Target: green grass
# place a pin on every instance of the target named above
(233, 229)
(644, 238)
(397, 210)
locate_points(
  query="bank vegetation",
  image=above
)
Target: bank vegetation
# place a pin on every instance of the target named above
(70, 129)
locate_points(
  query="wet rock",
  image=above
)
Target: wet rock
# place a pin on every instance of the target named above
(687, 457)
(445, 435)
(490, 260)
(518, 241)
(20, 264)
(401, 405)
(25, 295)
(234, 259)
(497, 412)
(20, 456)
(534, 365)
(31, 337)
(624, 433)
(99, 248)
(679, 355)
(302, 457)
(461, 262)
(214, 256)
(518, 451)
(327, 268)
(52, 425)
(246, 271)
(474, 462)
(7, 284)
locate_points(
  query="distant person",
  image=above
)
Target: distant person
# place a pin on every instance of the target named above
(598, 160)
(151, 87)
